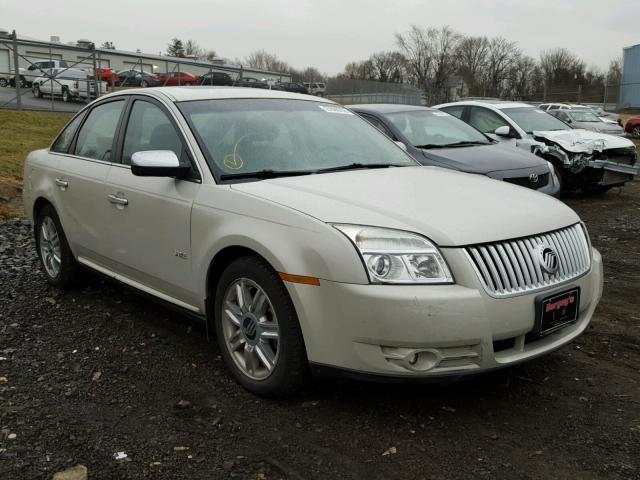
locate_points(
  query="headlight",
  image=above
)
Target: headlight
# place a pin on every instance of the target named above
(395, 256)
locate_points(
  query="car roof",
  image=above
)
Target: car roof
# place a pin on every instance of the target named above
(498, 104)
(386, 107)
(185, 94)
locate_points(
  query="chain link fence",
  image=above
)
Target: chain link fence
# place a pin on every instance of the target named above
(349, 92)
(36, 75)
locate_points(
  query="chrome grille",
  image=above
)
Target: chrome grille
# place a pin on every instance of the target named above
(512, 267)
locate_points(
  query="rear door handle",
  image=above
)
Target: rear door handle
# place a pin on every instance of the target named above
(62, 183)
(117, 200)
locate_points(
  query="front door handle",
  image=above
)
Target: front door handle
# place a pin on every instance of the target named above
(62, 183)
(118, 200)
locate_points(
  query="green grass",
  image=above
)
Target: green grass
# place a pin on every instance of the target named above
(20, 133)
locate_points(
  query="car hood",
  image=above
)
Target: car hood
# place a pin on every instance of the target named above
(583, 141)
(451, 208)
(484, 158)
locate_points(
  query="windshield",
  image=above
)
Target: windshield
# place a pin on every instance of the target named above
(245, 136)
(425, 128)
(531, 119)
(584, 116)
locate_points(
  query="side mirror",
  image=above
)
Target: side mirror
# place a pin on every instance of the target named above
(568, 120)
(401, 145)
(503, 131)
(158, 163)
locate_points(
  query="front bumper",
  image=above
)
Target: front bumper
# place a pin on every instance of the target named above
(424, 331)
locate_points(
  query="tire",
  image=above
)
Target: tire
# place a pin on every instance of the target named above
(266, 334)
(36, 91)
(635, 133)
(66, 96)
(143, 84)
(3, 82)
(188, 84)
(596, 190)
(50, 239)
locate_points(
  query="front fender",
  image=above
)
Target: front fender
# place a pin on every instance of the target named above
(290, 241)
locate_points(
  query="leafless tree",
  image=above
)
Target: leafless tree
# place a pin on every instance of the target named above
(388, 66)
(472, 56)
(444, 45)
(614, 75)
(417, 47)
(502, 55)
(560, 66)
(192, 49)
(266, 61)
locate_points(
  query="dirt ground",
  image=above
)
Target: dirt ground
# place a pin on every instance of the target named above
(90, 373)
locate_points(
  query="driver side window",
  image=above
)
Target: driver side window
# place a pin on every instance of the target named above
(149, 128)
(485, 120)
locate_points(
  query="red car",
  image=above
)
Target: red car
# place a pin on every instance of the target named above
(172, 79)
(106, 74)
(633, 126)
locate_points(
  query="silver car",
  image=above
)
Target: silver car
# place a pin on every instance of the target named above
(306, 239)
(582, 118)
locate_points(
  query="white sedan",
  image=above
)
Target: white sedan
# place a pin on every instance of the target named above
(307, 240)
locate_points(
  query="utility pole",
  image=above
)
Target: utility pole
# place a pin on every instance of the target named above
(16, 79)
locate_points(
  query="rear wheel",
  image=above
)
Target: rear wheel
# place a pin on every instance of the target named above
(59, 265)
(144, 84)
(635, 133)
(258, 330)
(3, 82)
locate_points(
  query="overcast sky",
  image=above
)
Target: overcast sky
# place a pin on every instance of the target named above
(328, 34)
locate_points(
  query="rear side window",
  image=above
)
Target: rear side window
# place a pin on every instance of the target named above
(149, 128)
(95, 139)
(63, 142)
(456, 110)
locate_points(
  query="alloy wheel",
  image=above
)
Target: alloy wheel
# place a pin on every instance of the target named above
(250, 329)
(636, 132)
(50, 249)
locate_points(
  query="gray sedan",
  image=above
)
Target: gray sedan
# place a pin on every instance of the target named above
(582, 118)
(436, 138)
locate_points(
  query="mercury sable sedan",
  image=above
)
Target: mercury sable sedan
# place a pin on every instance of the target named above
(306, 239)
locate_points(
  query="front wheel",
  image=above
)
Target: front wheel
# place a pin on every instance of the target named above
(3, 82)
(59, 265)
(36, 91)
(635, 133)
(144, 84)
(66, 96)
(258, 330)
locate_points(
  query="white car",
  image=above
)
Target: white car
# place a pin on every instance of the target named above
(604, 116)
(68, 83)
(316, 88)
(306, 239)
(38, 68)
(591, 161)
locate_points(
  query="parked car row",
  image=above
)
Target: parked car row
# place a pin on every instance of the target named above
(309, 243)
(604, 116)
(591, 161)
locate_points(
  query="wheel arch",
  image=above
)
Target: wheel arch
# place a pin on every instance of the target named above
(220, 261)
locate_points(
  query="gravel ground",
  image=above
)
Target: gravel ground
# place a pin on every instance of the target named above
(87, 374)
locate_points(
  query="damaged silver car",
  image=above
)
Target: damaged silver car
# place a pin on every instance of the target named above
(591, 161)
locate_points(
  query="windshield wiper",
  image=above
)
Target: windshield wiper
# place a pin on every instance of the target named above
(354, 166)
(451, 145)
(264, 174)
